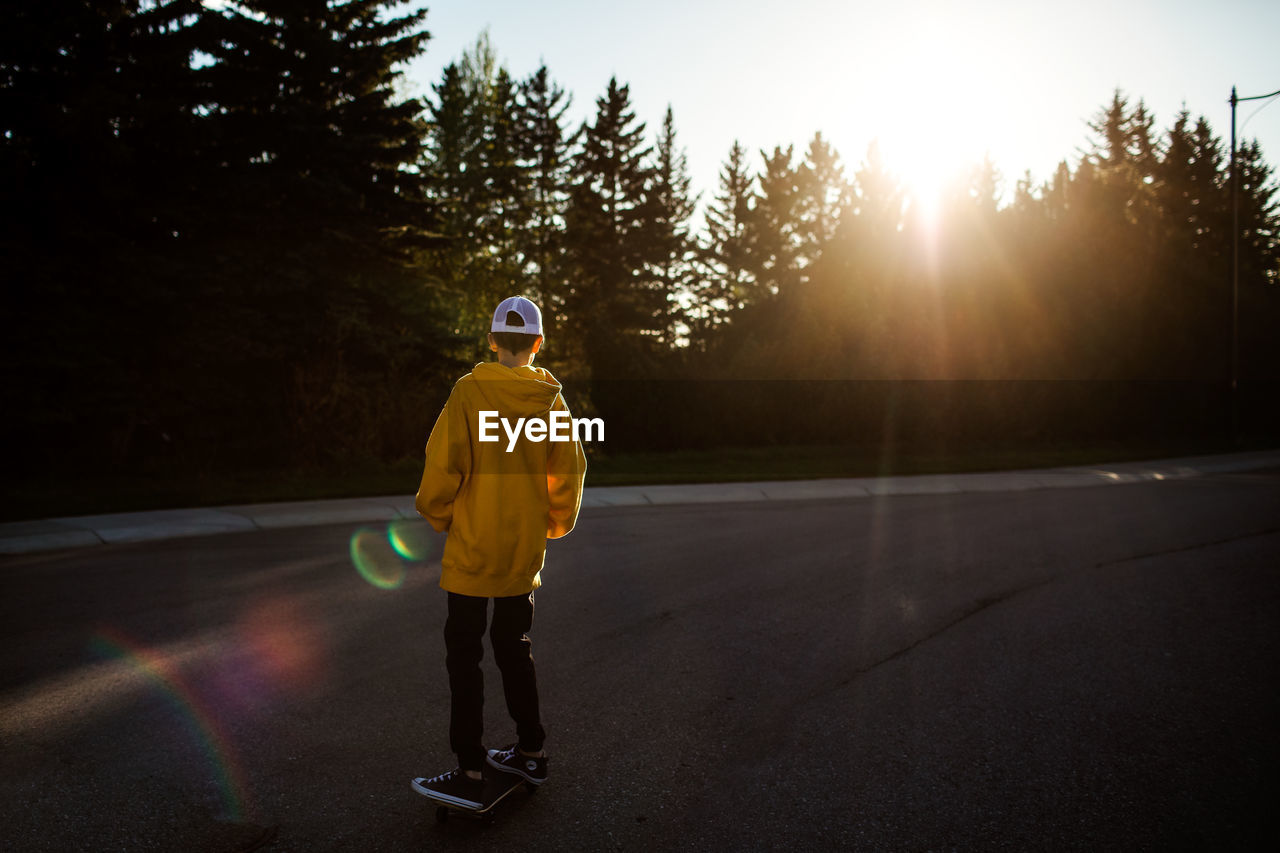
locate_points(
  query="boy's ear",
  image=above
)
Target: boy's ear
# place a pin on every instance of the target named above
(493, 345)
(537, 345)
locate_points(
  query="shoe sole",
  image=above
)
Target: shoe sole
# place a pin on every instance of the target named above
(515, 771)
(447, 799)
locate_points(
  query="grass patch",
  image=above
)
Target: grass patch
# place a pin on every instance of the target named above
(51, 498)
(728, 465)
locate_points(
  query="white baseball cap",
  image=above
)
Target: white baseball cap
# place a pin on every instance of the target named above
(525, 309)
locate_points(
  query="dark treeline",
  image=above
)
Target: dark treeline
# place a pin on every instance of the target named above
(229, 240)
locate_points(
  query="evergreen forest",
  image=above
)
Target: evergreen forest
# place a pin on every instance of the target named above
(231, 240)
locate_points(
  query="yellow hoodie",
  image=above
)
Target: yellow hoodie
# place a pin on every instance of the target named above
(498, 507)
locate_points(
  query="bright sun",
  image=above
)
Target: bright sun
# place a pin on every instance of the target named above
(932, 115)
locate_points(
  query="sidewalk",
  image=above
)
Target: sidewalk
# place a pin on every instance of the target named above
(81, 531)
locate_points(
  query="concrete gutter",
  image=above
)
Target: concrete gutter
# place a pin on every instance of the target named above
(118, 528)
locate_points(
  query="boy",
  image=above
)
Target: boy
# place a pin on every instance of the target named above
(499, 501)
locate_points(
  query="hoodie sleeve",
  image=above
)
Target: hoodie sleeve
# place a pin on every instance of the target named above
(566, 470)
(448, 463)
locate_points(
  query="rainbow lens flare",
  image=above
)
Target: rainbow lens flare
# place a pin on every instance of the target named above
(410, 539)
(206, 726)
(377, 559)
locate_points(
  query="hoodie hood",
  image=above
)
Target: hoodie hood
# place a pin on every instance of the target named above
(516, 391)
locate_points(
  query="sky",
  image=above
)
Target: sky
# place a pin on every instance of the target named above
(937, 84)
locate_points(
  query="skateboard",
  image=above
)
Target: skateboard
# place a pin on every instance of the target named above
(497, 786)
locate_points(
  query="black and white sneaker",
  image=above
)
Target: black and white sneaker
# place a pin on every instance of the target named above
(454, 788)
(510, 760)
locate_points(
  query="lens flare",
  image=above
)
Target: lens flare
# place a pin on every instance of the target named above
(376, 559)
(284, 647)
(410, 539)
(206, 725)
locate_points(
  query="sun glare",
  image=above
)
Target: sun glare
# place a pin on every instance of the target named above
(925, 177)
(932, 116)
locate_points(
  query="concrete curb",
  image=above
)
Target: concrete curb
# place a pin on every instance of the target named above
(81, 531)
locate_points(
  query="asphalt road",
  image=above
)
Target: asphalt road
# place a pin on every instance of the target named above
(1075, 669)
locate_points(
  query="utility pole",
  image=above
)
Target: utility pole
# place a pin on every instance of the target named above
(1235, 267)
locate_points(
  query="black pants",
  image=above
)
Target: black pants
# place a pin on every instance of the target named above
(512, 651)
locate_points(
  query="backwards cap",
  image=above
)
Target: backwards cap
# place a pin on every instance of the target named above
(525, 309)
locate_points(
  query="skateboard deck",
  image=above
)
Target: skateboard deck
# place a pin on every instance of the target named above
(497, 786)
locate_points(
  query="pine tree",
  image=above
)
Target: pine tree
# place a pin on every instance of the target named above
(1259, 266)
(1208, 175)
(1190, 192)
(475, 162)
(878, 200)
(775, 224)
(823, 195)
(1056, 191)
(613, 306)
(319, 218)
(673, 209)
(99, 119)
(983, 188)
(507, 181)
(449, 146)
(1259, 217)
(450, 154)
(728, 284)
(1176, 184)
(1125, 160)
(545, 150)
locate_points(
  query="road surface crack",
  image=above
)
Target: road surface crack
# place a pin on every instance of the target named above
(1270, 531)
(988, 602)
